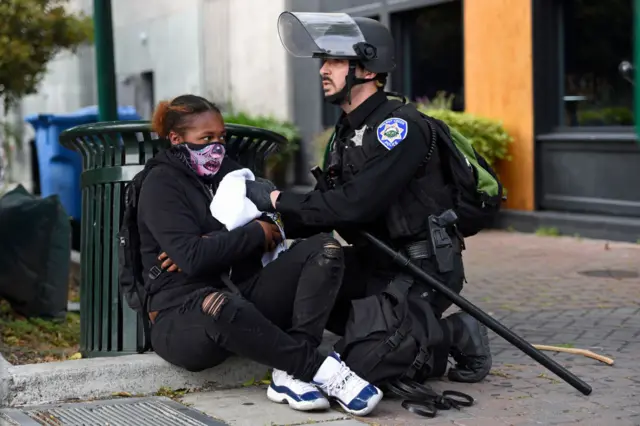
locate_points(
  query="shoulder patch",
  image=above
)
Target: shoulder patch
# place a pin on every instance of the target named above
(392, 131)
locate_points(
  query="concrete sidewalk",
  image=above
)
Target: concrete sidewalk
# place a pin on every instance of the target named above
(550, 290)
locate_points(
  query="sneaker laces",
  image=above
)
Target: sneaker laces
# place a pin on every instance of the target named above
(339, 380)
(305, 387)
(288, 379)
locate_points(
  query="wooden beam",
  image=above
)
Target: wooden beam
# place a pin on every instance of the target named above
(498, 83)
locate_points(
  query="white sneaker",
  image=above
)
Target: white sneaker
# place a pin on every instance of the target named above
(298, 394)
(355, 395)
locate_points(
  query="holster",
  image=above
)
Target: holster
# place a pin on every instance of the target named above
(440, 245)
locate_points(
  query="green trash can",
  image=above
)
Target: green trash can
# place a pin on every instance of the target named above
(112, 153)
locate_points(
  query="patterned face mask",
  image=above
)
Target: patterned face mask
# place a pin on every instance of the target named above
(205, 160)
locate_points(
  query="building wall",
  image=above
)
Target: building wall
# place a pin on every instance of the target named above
(245, 63)
(227, 50)
(499, 84)
(162, 37)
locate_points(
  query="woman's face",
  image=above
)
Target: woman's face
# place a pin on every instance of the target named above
(201, 129)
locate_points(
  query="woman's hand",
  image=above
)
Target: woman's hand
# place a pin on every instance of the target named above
(272, 236)
(167, 263)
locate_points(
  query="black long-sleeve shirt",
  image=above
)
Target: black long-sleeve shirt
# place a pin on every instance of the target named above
(174, 217)
(367, 195)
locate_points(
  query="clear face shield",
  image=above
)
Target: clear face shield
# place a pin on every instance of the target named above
(320, 35)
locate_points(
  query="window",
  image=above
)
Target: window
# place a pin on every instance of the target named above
(596, 37)
(330, 112)
(430, 53)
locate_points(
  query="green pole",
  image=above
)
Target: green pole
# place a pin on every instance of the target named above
(636, 66)
(105, 65)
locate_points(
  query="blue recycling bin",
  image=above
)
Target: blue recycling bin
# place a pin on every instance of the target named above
(60, 168)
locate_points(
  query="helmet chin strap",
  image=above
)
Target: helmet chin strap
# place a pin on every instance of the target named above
(351, 80)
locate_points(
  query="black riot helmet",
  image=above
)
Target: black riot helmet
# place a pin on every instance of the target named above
(359, 40)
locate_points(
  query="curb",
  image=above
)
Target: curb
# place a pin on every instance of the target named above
(144, 374)
(4, 380)
(139, 375)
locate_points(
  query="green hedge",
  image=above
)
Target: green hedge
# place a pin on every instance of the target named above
(285, 128)
(611, 116)
(279, 162)
(487, 136)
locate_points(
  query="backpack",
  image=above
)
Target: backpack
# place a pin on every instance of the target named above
(391, 336)
(478, 193)
(130, 269)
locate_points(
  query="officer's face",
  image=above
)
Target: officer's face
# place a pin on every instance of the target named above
(333, 72)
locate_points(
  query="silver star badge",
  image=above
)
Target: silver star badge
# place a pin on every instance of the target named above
(357, 138)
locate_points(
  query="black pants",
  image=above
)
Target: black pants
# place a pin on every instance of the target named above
(278, 320)
(368, 272)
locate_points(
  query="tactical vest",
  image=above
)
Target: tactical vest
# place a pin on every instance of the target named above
(427, 193)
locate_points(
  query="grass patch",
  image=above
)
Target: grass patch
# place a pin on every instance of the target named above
(545, 231)
(266, 380)
(35, 340)
(499, 373)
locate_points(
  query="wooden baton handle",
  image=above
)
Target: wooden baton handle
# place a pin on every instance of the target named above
(575, 351)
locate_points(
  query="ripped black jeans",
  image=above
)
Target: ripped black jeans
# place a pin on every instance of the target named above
(278, 320)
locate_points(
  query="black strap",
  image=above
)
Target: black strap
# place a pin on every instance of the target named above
(424, 401)
(387, 345)
(398, 289)
(426, 127)
(227, 281)
(146, 327)
(419, 408)
(418, 362)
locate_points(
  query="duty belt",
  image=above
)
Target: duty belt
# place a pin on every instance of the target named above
(423, 249)
(419, 250)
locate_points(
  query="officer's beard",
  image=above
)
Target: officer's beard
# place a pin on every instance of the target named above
(344, 95)
(339, 97)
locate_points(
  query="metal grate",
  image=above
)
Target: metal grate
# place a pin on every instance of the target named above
(153, 411)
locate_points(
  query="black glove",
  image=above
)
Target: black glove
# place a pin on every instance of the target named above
(259, 192)
(266, 182)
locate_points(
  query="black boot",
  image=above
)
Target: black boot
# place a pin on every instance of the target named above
(470, 349)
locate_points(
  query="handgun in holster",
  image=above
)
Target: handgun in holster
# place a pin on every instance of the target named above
(441, 243)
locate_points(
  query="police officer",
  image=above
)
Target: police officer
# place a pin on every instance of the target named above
(385, 176)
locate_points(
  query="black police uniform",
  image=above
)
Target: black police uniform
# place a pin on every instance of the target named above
(385, 177)
(383, 183)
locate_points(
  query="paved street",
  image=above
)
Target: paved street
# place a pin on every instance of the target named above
(537, 286)
(558, 291)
